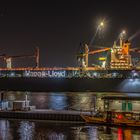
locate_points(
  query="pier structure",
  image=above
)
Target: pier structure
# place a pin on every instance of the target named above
(50, 115)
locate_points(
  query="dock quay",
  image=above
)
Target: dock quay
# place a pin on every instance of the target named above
(52, 115)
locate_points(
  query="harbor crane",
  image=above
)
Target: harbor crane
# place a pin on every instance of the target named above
(83, 57)
(120, 55)
(8, 59)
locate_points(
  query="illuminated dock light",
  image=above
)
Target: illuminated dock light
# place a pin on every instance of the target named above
(100, 27)
(122, 34)
(134, 74)
(12, 74)
(101, 24)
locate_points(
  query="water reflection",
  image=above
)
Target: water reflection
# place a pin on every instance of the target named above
(106, 133)
(29, 130)
(26, 130)
(5, 133)
(55, 136)
(58, 101)
(81, 101)
(63, 101)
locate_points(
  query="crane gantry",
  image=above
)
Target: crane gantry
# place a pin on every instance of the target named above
(9, 58)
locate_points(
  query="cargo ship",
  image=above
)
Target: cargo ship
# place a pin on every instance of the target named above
(116, 74)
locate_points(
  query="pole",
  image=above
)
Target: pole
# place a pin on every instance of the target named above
(86, 56)
(37, 57)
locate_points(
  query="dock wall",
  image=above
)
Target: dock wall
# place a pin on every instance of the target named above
(61, 116)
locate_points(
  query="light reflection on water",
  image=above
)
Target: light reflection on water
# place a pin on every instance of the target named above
(62, 101)
(26, 130)
(57, 101)
(5, 130)
(29, 130)
(35, 130)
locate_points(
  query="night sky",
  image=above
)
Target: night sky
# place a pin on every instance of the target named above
(57, 27)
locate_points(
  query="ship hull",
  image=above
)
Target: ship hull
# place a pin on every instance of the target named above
(70, 84)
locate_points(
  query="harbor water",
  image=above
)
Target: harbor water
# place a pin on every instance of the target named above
(11, 129)
(38, 130)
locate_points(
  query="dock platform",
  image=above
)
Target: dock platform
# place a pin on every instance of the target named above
(53, 115)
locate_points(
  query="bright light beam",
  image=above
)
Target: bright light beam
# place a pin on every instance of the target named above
(123, 34)
(134, 35)
(99, 27)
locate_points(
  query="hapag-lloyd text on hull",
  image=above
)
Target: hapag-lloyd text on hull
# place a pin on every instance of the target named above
(52, 73)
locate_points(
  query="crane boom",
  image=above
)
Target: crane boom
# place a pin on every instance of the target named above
(20, 56)
(84, 56)
(8, 59)
(98, 51)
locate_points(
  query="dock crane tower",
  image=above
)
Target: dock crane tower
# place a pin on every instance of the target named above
(9, 59)
(84, 56)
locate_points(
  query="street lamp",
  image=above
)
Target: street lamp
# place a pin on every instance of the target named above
(123, 34)
(122, 37)
(101, 24)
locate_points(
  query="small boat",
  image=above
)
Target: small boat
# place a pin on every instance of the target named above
(114, 118)
(96, 118)
(126, 118)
